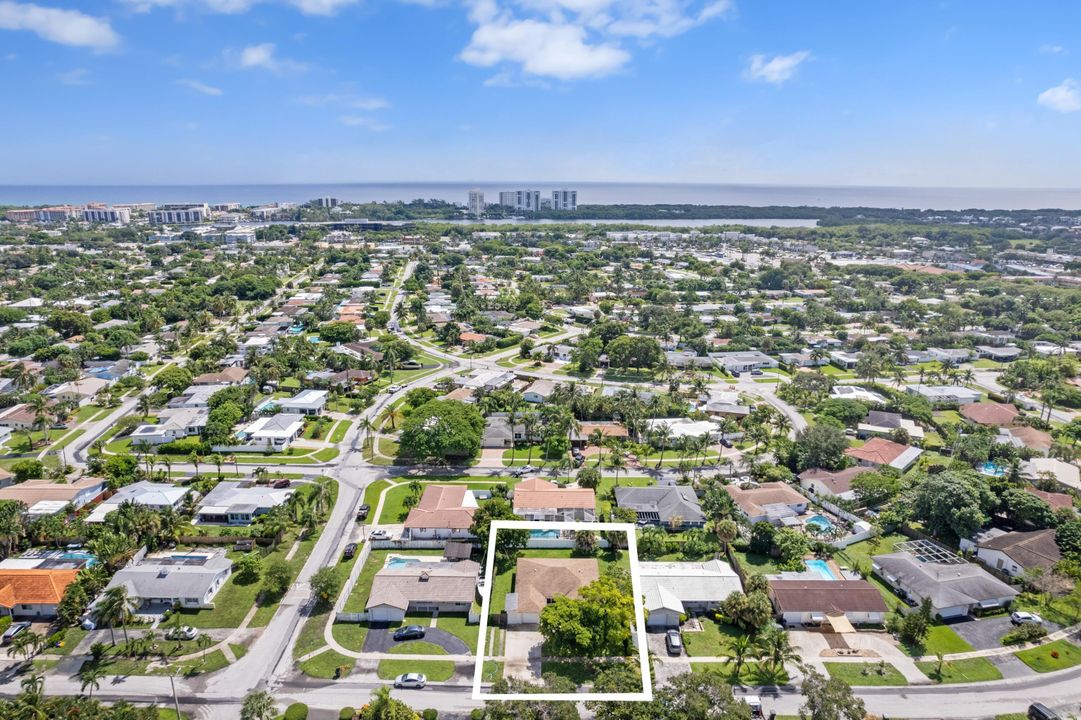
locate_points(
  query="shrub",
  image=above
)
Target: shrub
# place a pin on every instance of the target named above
(184, 447)
(5, 622)
(296, 711)
(347, 713)
(1023, 634)
(429, 714)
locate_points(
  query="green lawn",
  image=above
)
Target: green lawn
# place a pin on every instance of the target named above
(712, 641)
(1042, 659)
(750, 674)
(339, 431)
(576, 671)
(435, 670)
(756, 564)
(459, 626)
(961, 671)
(865, 673)
(418, 647)
(493, 670)
(940, 639)
(529, 454)
(606, 486)
(325, 664)
(1058, 610)
(948, 417)
(350, 635)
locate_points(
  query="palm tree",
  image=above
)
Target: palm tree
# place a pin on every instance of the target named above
(616, 463)
(115, 607)
(90, 677)
(596, 439)
(529, 426)
(662, 435)
(777, 650)
(217, 460)
(204, 641)
(726, 531)
(740, 650)
(194, 457)
(259, 705)
(144, 405)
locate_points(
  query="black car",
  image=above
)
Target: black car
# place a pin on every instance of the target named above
(14, 629)
(673, 642)
(1039, 711)
(362, 512)
(410, 632)
(350, 551)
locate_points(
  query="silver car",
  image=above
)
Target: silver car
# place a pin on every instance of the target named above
(411, 680)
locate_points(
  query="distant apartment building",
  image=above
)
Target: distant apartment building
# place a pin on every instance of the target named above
(180, 214)
(21, 216)
(60, 213)
(476, 203)
(326, 202)
(564, 199)
(106, 214)
(528, 200)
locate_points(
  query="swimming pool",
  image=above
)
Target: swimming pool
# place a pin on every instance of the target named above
(78, 555)
(544, 533)
(398, 562)
(823, 522)
(992, 469)
(821, 567)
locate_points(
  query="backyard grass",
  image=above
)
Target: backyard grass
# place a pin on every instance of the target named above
(1042, 659)
(1057, 610)
(865, 673)
(417, 647)
(755, 564)
(325, 664)
(940, 639)
(363, 587)
(712, 641)
(961, 671)
(435, 670)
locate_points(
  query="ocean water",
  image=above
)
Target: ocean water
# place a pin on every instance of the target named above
(588, 193)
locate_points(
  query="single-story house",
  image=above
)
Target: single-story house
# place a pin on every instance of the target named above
(422, 587)
(538, 581)
(769, 502)
(880, 452)
(273, 433)
(156, 496)
(234, 503)
(196, 396)
(45, 497)
(78, 392)
(941, 395)
(18, 417)
(742, 361)
(679, 428)
(487, 379)
(539, 391)
(541, 500)
(830, 483)
(190, 580)
(994, 414)
(813, 602)
(669, 506)
(1028, 437)
(580, 437)
(1065, 473)
(305, 402)
(955, 589)
(1014, 553)
(226, 376)
(879, 423)
(444, 512)
(32, 593)
(172, 425)
(675, 590)
(855, 392)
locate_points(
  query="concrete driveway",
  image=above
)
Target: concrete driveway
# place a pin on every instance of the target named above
(986, 633)
(522, 653)
(665, 665)
(382, 640)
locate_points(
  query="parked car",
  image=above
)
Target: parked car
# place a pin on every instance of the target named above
(379, 535)
(1025, 618)
(755, 703)
(88, 623)
(184, 632)
(757, 372)
(362, 512)
(411, 680)
(15, 629)
(393, 388)
(350, 551)
(524, 470)
(410, 632)
(1039, 711)
(283, 483)
(673, 642)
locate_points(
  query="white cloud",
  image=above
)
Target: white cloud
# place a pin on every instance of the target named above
(233, 7)
(264, 56)
(199, 87)
(66, 27)
(543, 48)
(344, 100)
(1062, 98)
(776, 69)
(320, 7)
(571, 39)
(78, 76)
(1049, 49)
(363, 121)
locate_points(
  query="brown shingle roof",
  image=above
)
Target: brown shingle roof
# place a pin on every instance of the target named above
(990, 413)
(752, 501)
(826, 596)
(1054, 499)
(879, 451)
(1027, 549)
(538, 580)
(424, 582)
(34, 586)
(34, 491)
(442, 506)
(838, 482)
(536, 493)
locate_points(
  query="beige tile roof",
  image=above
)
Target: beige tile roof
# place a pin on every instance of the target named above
(537, 493)
(752, 501)
(34, 491)
(442, 506)
(424, 582)
(538, 580)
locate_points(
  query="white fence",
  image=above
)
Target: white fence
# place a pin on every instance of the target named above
(344, 617)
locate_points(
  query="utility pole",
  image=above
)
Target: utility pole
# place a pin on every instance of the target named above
(176, 701)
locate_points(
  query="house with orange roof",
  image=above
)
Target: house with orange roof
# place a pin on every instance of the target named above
(541, 500)
(33, 593)
(445, 512)
(880, 452)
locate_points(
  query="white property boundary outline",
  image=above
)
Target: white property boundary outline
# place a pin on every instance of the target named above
(639, 613)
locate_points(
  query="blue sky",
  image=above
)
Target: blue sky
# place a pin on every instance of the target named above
(977, 93)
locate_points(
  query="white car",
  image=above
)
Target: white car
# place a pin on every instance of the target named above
(1025, 618)
(410, 680)
(379, 535)
(393, 388)
(184, 632)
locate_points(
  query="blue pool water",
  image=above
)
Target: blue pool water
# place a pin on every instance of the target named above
(78, 555)
(992, 469)
(821, 521)
(544, 533)
(399, 562)
(821, 567)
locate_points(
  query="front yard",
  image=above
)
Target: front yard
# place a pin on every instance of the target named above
(860, 673)
(961, 671)
(1057, 655)
(712, 641)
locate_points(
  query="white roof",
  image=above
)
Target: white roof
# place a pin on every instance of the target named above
(667, 585)
(855, 392)
(140, 493)
(305, 398)
(283, 425)
(681, 427)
